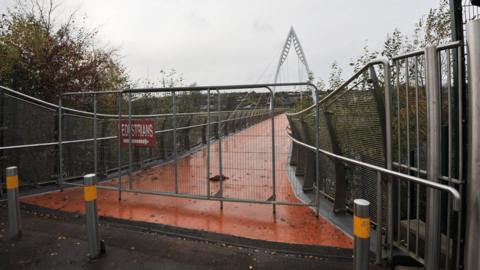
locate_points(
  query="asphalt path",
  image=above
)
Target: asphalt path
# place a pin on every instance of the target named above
(51, 241)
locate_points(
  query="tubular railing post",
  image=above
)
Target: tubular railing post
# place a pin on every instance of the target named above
(379, 246)
(90, 196)
(274, 184)
(388, 158)
(119, 145)
(317, 152)
(472, 233)
(432, 227)
(382, 112)
(14, 219)
(2, 130)
(130, 157)
(174, 111)
(219, 130)
(208, 143)
(361, 232)
(95, 143)
(60, 145)
(461, 146)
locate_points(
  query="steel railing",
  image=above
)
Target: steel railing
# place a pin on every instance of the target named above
(457, 203)
(440, 70)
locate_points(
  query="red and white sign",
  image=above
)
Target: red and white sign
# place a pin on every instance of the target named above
(143, 133)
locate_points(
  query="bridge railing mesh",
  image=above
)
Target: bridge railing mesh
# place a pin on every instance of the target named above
(353, 124)
(349, 125)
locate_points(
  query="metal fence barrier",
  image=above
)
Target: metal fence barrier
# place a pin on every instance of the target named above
(184, 133)
(224, 156)
(27, 138)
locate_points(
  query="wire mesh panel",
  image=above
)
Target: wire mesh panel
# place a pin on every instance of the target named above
(246, 157)
(25, 122)
(350, 124)
(301, 127)
(327, 166)
(190, 166)
(354, 117)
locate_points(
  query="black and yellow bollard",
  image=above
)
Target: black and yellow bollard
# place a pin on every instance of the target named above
(14, 220)
(95, 246)
(361, 232)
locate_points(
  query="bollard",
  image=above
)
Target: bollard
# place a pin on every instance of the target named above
(361, 232)
(95, 247)
(14, 221)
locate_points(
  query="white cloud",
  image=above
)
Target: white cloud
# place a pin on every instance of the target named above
(227, 41)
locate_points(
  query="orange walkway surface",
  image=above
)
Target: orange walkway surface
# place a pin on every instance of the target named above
(247, 162)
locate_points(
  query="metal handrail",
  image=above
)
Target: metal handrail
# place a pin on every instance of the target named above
(54, 107)
(345, 84)
(445, 46)
(382, 61)
(455, 194)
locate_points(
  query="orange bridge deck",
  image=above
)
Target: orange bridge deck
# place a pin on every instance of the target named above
(246, 159)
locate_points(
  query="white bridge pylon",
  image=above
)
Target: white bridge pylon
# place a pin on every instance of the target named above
(292, 38)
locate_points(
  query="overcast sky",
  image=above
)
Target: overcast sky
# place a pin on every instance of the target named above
(226, 41)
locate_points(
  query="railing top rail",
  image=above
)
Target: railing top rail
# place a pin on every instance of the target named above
(115, 116)
(216, 87)
(191, 88)
(455, 194)
(55, 107)
(450, 45)
(345, 84)
(383, 61)
(27, 97)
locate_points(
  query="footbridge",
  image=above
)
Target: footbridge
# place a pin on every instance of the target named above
(240, 160)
